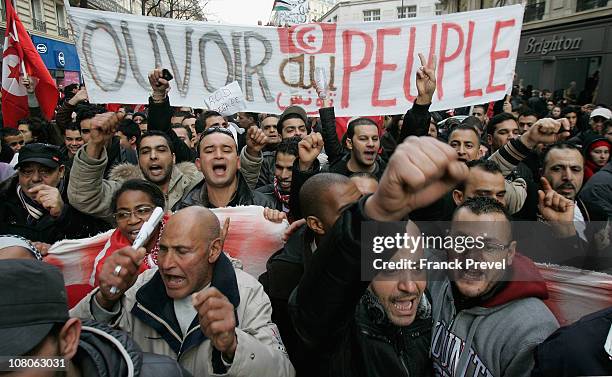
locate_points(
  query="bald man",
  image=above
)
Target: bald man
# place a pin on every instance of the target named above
(194, 307)
(324, 196)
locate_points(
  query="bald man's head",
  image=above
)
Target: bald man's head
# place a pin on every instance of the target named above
(323, 197)
(188, 250)
(195, 221)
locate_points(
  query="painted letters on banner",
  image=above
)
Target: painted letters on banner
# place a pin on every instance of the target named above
(371, 66)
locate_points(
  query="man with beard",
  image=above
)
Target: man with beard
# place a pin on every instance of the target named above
(280, 190)
(363, 143)
(470, 303)
(91, 193)
(223, 185)
(360, 328)
(35, 205)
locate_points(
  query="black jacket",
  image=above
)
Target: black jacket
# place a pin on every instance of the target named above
(266, 174)
(284, 270)
(69, 225)
(243, 196)
(268, 191)
(598, 190)
(342, 324)
(105, 352)
(577, 349)
(160, 115)
(341, 167)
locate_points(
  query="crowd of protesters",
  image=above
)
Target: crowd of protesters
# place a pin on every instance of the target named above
(178, 306)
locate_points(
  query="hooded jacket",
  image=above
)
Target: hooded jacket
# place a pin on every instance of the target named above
(590, 168)
(497, 336)
(147, 314)
(106, 352)
(89, 192)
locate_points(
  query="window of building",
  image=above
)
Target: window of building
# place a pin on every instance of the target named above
(61, 16)
(439, 9)
(582, 5)
(37, 15)
(371, 15)
(335, 18)
(534, 10)
(407, 12)
(37, 10)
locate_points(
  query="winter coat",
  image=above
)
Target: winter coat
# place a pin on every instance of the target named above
(341, 167)
(496, 337)
(577, 349)
(266, 175)
(284, 270)
(147, 314)
(342, 325)
(70, 224)
(243, 196)
(598, 190)
(104, 351)
(89, 192)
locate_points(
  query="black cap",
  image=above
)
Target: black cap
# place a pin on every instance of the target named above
(32, 300)
(45, 154)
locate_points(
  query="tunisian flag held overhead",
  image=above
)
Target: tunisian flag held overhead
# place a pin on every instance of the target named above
(19, 54)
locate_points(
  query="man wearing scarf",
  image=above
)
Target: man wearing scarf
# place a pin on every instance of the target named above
(279, 191)
(34, 203)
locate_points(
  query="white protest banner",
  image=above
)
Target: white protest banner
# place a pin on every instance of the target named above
(227, 100)
(290, 12)
(371, 66)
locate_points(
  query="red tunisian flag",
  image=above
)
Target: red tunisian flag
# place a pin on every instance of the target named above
(19, 54)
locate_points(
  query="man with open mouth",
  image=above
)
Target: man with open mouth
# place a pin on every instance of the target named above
(491, 318)
(223, 184)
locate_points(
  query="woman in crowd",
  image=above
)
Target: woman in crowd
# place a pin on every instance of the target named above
(596, 155)
(132, 205)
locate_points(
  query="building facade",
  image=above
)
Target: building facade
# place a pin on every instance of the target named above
(380, 10)
(563, 43)
(317, 8)
(46, 22)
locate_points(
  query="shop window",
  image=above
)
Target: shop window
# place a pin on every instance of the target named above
(439, 9)
(371, 15)
(528, 73)
(584, 72)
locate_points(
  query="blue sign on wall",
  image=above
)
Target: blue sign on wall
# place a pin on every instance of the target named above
(56, 54)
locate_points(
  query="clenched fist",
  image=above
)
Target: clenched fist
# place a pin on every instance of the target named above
(309, 149)
(421, 171)
(217, 321)
(256, 140)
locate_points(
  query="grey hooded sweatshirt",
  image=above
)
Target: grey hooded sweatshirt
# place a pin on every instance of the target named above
(496, 337)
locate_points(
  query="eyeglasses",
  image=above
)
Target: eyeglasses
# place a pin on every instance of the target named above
(493, 247)
(142, 213)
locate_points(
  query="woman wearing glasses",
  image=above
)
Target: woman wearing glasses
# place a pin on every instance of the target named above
(132, 205)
